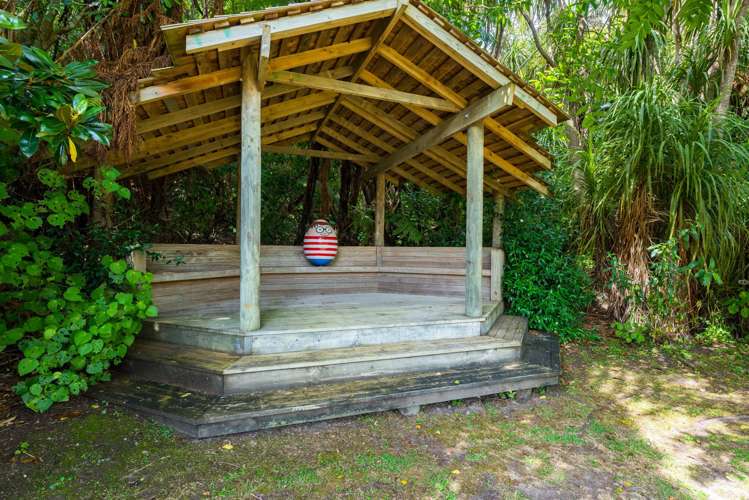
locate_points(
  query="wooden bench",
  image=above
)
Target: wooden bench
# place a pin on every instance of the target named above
(209, 274)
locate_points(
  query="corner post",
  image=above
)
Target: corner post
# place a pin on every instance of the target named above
(250, 161)
(498, 254)
(379, 233)
(474, 217)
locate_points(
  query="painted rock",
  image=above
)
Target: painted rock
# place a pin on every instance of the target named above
(320, 243)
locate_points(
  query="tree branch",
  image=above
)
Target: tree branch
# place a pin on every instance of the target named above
(537, 41)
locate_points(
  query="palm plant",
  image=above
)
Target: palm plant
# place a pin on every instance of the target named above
(658, 162)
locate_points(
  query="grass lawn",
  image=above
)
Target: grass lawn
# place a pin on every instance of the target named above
(626, 422)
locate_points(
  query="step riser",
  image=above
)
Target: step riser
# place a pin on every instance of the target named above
(279, 379)
(308, 341)
(214, 383)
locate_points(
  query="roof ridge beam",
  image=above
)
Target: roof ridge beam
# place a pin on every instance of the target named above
(242, 35)
(357, 89)
(477, 111)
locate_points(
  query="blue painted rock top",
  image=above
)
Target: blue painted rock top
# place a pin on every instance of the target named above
(320, 243)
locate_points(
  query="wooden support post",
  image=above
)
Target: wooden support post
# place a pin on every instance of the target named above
(138, 260)
(238, 215)
(379, 235)
(498, 254)
(250, 161)
(474, 217)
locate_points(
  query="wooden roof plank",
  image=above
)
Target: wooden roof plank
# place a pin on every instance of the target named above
(440, 37)
(242, 35)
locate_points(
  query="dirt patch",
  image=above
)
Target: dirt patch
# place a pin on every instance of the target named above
(626, 422)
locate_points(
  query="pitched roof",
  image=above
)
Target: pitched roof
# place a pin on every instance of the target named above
(375, 75)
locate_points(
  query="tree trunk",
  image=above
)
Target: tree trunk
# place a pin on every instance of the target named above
(325, 201)
(730, 62)
(309, 199)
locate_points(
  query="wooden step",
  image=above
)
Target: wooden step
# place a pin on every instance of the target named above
(318, 328)
(510, 328)
(202, 415)
(223, 373)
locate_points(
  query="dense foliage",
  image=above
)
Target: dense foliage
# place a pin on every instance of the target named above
(657, 144)
(70, 327)
(543, 280)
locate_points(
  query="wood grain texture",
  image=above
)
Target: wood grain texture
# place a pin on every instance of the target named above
(474, 217)
(250, 172)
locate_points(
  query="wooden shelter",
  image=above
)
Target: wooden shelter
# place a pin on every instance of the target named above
(394, 88)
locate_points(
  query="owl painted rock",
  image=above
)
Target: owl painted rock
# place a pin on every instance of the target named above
(320, 243)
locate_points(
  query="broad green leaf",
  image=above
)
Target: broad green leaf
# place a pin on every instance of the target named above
(26, 366)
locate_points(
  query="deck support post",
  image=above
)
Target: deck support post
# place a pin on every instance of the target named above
(379, 235)
(474, 217)
(498, 253)
(250, 161)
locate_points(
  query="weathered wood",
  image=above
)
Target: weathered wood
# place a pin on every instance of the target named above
(250, 168)
(348, 88)
(138, 260)
(319, 153)
(242, 35)
(474, 218)
(264, 57)
(379, 233)
(439, 88)
(440, 37)
(321, 54)
(498, 255)
(476, 112)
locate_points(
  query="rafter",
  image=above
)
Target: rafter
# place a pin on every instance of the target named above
(477, 111)
(319, 153)
(427, 80)
(232, 102)
(461, 137)
(348, 88)
(472, 61)
(384, 121)
(232, 75)
(194, 162)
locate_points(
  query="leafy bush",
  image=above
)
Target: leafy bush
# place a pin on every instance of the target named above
(70, 327)
(543, 279)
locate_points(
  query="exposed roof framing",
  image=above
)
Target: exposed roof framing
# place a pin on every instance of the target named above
(386, 84)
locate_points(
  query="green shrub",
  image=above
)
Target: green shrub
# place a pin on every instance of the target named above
(543, 279)
(70, 327)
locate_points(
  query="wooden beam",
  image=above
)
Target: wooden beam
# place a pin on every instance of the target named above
(472, 61)
(393, 127)
(379, 232)
(250, 171)
(382, 36)
(298, 105)
(180, 156)
(288, 133)
(427, 80)
(477, 111)
(348, 88)
(292, 122)
(264, 57)
(474, 218)
(186, 85)
(196, 161)
(321, 54)
(363, 150)
(232, 75)
(242, 35)
(376, 141)
(194, 112)
(461, 137)
(318, 153)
